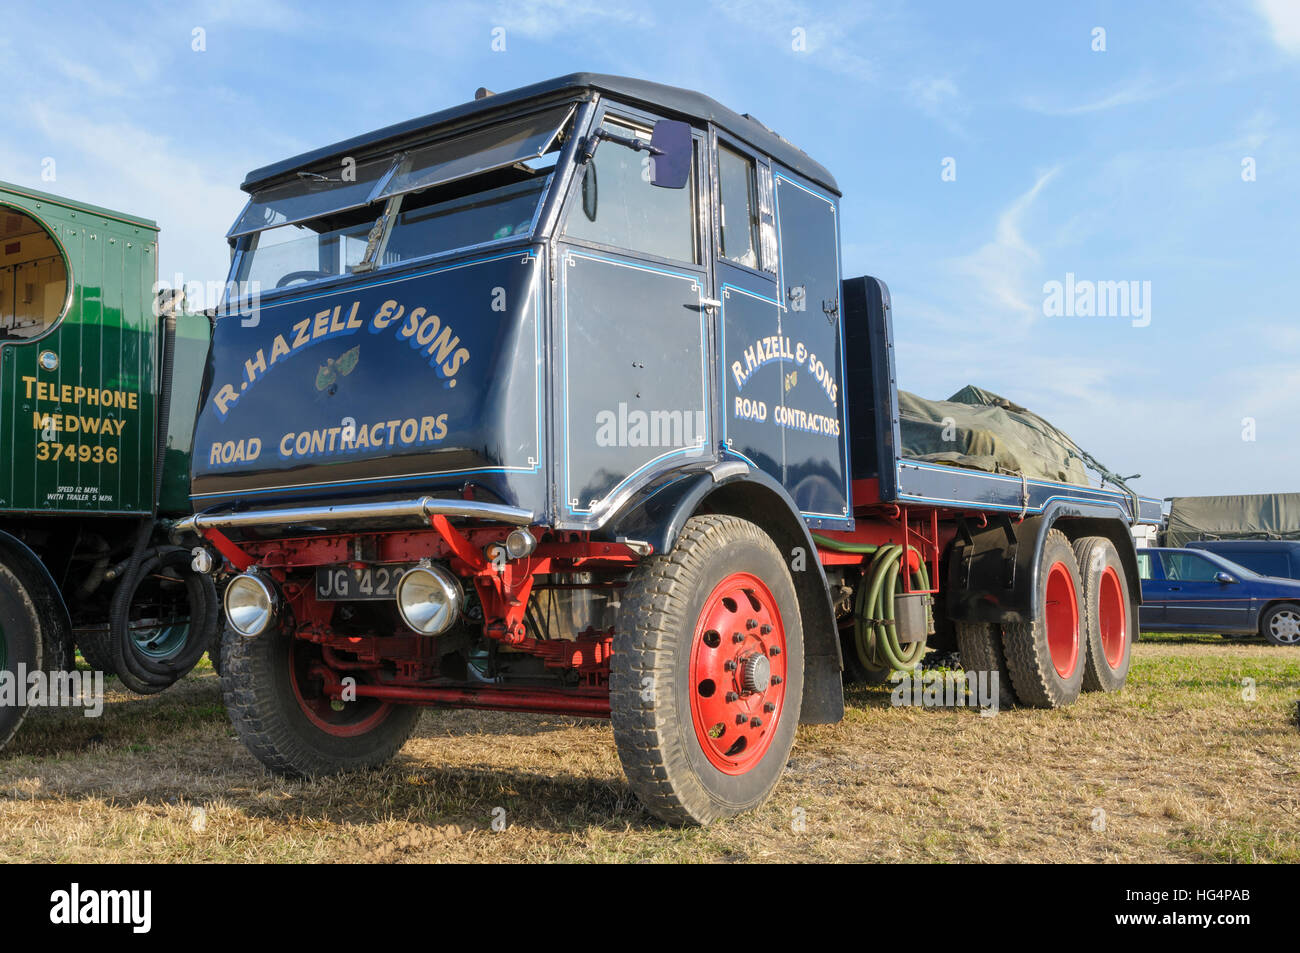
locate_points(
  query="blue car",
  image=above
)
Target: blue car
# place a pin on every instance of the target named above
(1190, 590)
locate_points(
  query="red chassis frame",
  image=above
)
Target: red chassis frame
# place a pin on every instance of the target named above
(503, 588)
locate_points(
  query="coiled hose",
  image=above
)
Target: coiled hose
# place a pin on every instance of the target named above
(137, 672)
(875, 631)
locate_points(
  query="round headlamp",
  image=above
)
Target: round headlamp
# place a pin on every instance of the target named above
(250, 605)
(429, 599)
(520, 543)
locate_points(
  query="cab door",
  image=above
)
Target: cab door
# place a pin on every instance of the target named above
(632, 395)
(752, 365)
(813, 421)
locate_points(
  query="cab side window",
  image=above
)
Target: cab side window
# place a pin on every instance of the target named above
(1144, 566)
(618, 206)
(737, 191)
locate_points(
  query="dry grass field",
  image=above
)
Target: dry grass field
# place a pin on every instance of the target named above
(1178, 767)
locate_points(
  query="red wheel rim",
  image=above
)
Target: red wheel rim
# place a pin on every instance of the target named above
(1062, 616)
(352, 719)
(737, 673)
(1113, 616)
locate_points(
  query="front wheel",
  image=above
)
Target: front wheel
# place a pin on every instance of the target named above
(707, 673)
(1280, 625)
(283, 716)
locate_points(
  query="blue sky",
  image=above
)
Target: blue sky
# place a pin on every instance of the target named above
(1117, 165)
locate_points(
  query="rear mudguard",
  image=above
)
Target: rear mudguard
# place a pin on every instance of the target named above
(658, 513)
(27, 566)
(993, 571)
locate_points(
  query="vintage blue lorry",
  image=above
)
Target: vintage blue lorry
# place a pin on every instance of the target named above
(556, 401)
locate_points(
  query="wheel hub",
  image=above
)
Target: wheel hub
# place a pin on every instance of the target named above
(755, 673)
(1286, 626)
(737, 673)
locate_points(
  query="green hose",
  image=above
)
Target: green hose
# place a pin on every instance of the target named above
(843, 547)
(874, 629)
(875, 633)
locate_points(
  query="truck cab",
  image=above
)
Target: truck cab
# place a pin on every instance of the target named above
(504, 297)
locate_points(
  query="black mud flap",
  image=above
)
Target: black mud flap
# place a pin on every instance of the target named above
(823, 691)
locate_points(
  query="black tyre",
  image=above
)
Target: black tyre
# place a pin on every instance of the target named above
(1046, 658)
(979, 646)
(1280, 625)
(21, 650)
(1110, 618)
(93, 644)
(283, 716)
(707, 673)
(214, 650)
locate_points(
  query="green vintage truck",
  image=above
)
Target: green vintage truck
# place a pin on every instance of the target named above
(94, 367)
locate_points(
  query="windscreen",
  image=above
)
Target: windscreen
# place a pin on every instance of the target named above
(464, 192)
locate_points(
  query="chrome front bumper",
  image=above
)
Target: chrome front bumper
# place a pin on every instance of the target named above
(417, 511)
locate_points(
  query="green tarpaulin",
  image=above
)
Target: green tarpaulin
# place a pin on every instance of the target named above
(1260, 516)
(978, 429)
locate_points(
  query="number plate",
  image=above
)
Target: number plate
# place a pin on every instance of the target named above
(338, 583)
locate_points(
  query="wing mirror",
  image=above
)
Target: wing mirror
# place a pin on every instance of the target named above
(671, 149)
(1224, 577)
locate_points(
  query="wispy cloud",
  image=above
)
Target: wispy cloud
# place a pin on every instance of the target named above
(1283, 19)
(1142, 90)
(997, 270)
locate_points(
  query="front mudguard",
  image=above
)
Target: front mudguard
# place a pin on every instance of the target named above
(655, 517)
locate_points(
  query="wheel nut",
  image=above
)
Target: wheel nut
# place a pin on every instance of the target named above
(729, 665)
(774, 651)
(732, 696)
(756, 722)
(751, 624)
(740, 719)
(738, 637)
(776, 679)
(766, 630)
(769, 708)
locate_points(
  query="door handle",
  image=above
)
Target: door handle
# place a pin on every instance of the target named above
(710, 303)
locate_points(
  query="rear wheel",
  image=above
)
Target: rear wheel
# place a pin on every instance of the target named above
(280, 711)
(1046, 658)
(1109, 615)
(1281, 624)
(20, 646)
(979, 645)
(707, 673)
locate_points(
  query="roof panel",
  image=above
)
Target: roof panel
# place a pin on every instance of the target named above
(659, 98)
